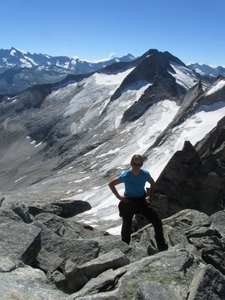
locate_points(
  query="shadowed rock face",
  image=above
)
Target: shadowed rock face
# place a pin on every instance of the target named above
(192, 181)
(154, 67)
(63, 208)
(165, 87)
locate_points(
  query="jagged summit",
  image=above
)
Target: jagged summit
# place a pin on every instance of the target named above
(152, 67)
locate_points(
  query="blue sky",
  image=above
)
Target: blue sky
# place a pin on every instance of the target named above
(192, 30)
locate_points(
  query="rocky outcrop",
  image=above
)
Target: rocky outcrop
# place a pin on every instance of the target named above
(194, 177)
(213, 143)
(58, 258)
(62, 208)
(165, 87)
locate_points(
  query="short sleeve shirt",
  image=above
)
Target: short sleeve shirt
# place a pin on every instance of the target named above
(134, 185)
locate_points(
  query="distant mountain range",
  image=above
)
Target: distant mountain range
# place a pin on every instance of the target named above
(205, 70)
(14, 59)
(20, 69)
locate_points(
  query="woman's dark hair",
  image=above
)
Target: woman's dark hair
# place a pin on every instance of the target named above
(137, 156)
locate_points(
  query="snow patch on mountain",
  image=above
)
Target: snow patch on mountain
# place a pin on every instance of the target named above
(25, 63)
(183, 76)
(215, 87)
(112, 79)
(92, 94)
(13, 52)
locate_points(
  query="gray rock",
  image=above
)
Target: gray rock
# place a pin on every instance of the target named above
(8, 264)
(22, 210)
(20, 241)
(218, 222)
(59, 280)
(101, 286)
(28, 283)
(56, 249)
(176, 271)
(50, 221)
(111, 260)
(209, 283)
(8, 215)
(155, 291)
(63, 208)
(75, 278)
(109, 242)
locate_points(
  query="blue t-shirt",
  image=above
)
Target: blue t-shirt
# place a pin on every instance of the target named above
(134, 185)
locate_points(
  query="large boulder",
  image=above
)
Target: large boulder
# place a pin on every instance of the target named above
(20, 241)
(189, 181)
(62, 208)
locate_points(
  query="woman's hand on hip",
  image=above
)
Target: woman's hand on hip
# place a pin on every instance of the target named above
(124, 199)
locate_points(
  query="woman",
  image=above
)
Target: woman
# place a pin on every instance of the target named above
(135, 200)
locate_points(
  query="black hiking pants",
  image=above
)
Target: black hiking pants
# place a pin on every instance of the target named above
(139, 206)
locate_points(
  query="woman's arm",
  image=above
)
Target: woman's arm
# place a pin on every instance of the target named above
(151, 190)
(112, 185)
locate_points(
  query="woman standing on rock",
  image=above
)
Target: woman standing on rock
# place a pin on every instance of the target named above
(136, 201)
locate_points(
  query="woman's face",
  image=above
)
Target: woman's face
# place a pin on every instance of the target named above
(136, 163)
